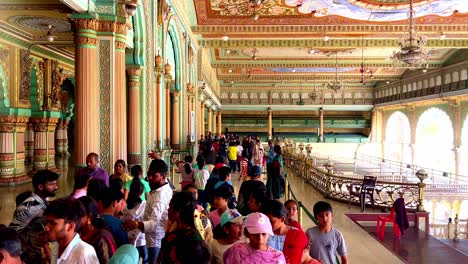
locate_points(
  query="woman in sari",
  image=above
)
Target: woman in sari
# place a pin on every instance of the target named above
(275, 181)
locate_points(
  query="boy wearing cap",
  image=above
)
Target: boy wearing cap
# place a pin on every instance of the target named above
(257, 230)
(324, 240)
(227, 234)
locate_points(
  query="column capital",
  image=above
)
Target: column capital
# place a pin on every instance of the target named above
(13, 123)
(85, 31)
(133, 70)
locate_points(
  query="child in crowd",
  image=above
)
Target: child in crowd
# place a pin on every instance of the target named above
(186, 171)
(202, 223)
(291, 209)
(225, 180)
(256, 201)
(112, 202)
(134, 211)
(200, 179)
(324, 240)
(227, 233)
(221, 200)
(244, 167)
(284, 236)
(257, 229)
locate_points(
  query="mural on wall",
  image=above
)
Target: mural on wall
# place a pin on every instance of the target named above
(353, 9)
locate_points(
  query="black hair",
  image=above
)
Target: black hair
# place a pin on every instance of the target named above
(223, 173)
(219, 159)
(184, 204)
(187, 168)
(81, 180)
(116, 184)
(277, 149)
(69, 209)
(274, 208)
(122, 162)
(219, 233)
(9, 241)
(188, 158)
(189, 250)
(43, 177)
(201, 163)
(188, 186)
(136, 189)
(136, 171)
(255, 171)
(223, 192)
(231, 144)
(322, 206)
(96, 189)
(259, 196)
(291, 201)
(20, 198)
(111, 196)
(158, 166)
(91, 209)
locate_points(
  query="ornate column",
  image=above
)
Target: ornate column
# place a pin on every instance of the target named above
(175, 133)
(133, 81)
(44, 142)
(29, 142)
(158, 118)
(167, 82)
(191, 122)
(210, 120)
(12, 149)
(119, 98)
(321, 124)
(455, 109)
(61, 138)
(270, 123)
(202, 116)
(86, 92)
(220, 124)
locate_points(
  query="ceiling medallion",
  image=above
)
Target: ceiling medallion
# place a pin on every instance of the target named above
(335, 84)
(412, 53)
(41, 23)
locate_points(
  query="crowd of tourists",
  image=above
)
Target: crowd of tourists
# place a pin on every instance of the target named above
(133, 217)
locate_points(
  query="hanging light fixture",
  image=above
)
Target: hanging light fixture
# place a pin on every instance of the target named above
(314, 93)
(256, 5)
(363, 70)
(412, 53)
(335, 84)
(300, 102)
(254, 53)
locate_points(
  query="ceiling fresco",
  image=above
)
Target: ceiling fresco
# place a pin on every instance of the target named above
(286, 42)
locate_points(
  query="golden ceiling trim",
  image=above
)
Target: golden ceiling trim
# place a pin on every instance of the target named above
(319, 43)
(335, 29)
(300, 77)
(343, 64)
(58, 7)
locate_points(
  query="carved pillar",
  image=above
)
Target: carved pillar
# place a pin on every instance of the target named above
(134, 152)
(44, 143)
(12, 149)
(210, 120)
(29, 143)
(270, 123)
(158, 94)
(61, 138)
(87, 91)
(455, 109)
(202, 117)
(321, 111)
(220, 124)
(119, 98)
(175, 133)
(167, 105)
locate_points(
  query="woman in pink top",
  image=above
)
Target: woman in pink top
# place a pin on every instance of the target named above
(257, 230)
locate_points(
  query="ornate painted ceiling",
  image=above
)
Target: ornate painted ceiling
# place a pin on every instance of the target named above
(281, 42)
(30, 19)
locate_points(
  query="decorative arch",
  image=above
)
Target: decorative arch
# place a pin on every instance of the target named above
(434, 140)
(174, 48)
(136, 55)
(398, 138)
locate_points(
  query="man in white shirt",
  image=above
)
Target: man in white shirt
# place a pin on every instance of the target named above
(157, 205)
(63, 217)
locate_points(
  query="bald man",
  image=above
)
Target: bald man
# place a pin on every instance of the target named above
(92, 168)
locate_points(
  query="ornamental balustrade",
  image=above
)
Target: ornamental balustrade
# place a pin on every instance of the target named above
(338, 187)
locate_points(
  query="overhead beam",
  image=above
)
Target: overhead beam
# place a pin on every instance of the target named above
(319, 43)
(301, 77)
(362, 29)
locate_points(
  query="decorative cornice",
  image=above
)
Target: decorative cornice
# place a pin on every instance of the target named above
(301, 77)
(316, 64)
(335, 29)
(319, 43)
(83, 23)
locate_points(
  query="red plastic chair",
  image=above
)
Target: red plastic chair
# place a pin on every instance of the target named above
(383, 220)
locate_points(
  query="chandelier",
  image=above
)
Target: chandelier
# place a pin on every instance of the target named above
(314, 94)
(335, 84)
(363, 70)
(412, 53)
(255, 6)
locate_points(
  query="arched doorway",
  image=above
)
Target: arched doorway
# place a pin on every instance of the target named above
(398, 138)
(434, 143)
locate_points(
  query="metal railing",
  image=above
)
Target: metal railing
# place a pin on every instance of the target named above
(338, 187)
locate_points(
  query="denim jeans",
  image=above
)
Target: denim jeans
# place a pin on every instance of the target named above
(143, 252)
(153, 253)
